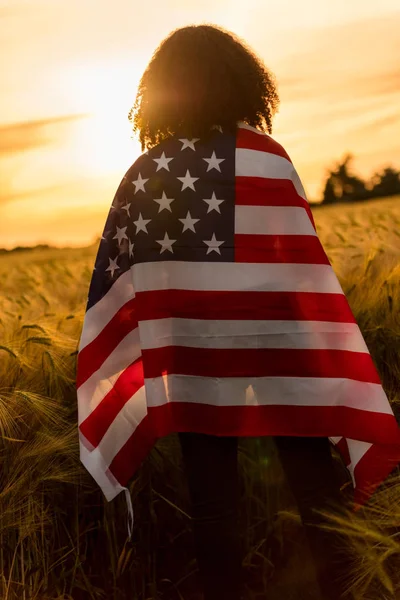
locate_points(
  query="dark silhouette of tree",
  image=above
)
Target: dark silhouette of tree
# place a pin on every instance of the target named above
(329, 196)
(344, 186)
(386, 183)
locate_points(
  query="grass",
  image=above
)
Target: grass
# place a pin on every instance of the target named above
(60, 539)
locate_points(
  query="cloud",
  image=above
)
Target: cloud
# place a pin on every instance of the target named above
(72, 187)
(22, 136)
(379, 123)
(37, 192)
(72, 212)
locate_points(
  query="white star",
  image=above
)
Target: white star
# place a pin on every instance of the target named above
(213, 245)
(188, 181)
(189, 143)
(188, 222)
(120, 235)
(126, 207)
(113, 266)
(213, 162)
(166, 243)
(164, 202)
(141, 224)
(213, 203)
(131, 246)
(162, 162)
(218, 127)
(139, 183)
(104, 236)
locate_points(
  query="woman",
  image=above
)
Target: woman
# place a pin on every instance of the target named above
(200, 77)
(222, 312)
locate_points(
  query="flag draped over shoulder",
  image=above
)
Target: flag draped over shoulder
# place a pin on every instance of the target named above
(213, 308)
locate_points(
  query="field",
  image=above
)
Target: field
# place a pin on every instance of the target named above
(60, 539)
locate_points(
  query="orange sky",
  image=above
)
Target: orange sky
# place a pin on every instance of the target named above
(71, 71)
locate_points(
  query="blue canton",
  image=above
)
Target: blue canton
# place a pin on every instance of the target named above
(176, 202)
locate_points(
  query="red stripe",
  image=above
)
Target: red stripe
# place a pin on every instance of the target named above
(305, 249)
(259, 362)
(285, 306)
(271, 420)
(257, 421)
(127, 384)
(254, 141)
(92, 356)
(130, 457)
(260, 191)
(372, 470)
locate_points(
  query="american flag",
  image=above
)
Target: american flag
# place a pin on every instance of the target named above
(213, 308)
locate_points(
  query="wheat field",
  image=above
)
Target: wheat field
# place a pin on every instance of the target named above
(60, 539)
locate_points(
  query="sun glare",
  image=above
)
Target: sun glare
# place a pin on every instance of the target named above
(102, 143)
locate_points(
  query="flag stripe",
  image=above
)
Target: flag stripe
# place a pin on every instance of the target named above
(251, 421)
(93, 390)
(93, 355)
(253, 391)
(121, 428)
(223, 305)
(127, 385)
(252, 139)
(227, 276)
(200, 333)
(279, 249)
(320, 421)
(273, 221)
(253, 163)
(115, 360)
(96, 466)
(258, 191)
(136, 448)
(256, 163)
(279, 362)
(300, 391)
(104, 310)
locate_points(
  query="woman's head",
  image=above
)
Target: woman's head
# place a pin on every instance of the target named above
(198, 77)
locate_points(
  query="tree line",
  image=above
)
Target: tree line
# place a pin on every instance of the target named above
(343, 186)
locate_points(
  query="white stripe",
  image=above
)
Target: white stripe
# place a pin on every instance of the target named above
(280, 391)
(357, 451)
(101, 313)
(116, 436)
(92, 392)
(94, 463)
(336, 440)
(202, 333)
(257, 163)
(228, 276)
(273, 220)
(123, 426)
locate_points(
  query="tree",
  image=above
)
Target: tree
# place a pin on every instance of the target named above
(342, 186)
(329, 196)
(386, 183)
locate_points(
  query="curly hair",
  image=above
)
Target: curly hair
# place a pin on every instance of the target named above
(201, 76)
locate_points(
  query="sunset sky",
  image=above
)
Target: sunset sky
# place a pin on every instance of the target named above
(70, 68)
